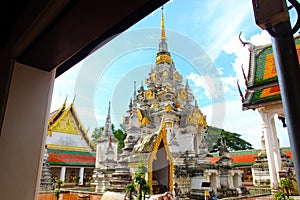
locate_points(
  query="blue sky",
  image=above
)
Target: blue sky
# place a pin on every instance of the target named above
(203, 41)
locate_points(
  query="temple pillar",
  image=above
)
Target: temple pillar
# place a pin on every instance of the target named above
(269, 141)
(81, 175)
(230, 180)
(63, 173)
(23, 133)
(276, 150)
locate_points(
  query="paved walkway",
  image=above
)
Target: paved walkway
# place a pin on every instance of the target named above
(259, 198)
(269, 198)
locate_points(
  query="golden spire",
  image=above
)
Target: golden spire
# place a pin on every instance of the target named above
(162, 33)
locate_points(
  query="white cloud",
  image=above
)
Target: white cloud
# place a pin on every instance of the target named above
(225, 24)
(247, 123)
(220, 70)
(212, 85)
(64, 87)
(100, 117)
(261, 38)
(229, 84)
(234, 46)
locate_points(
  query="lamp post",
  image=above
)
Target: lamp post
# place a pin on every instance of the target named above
(273, 16)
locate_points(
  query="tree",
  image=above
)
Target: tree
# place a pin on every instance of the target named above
(286, 188)
(287, 185)
(130, 188)
(141, 184)
(57, 191)
(146, 189)
(97, 133)
(233, 141)
(119, 134)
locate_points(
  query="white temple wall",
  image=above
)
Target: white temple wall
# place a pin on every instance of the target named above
(214, 179)
(196, 182)
(101, 149)
(185, 142)
(100, 153)
(66, 139)
(237, 179)
(259, 176)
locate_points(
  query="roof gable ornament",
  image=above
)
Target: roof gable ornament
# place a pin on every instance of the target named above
(249, 44)
(66, 121)
(244, 75)
(240, 91)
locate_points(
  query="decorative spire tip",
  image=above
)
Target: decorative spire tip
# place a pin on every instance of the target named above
(162, 33)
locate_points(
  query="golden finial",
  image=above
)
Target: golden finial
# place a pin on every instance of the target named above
(162, 33)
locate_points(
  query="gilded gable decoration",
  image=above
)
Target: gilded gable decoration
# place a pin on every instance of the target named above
(161, 138)
(142, 119)
(66, 125)
(197, 118)
(182, 94)
(169, 108)
(149, 94)
(66, 121)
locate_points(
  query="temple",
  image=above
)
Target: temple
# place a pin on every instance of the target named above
(71, 154)
(263, 94)
(166, 132)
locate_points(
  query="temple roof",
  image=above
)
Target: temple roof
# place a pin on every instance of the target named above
(262, 80)
(66, 132)
(247, 157)
(71, 158)
(145, 144)
(149, 144)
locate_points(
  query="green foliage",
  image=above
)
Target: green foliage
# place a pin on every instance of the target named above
(141, 185)
(119, 134)
(287, 185)
(141, 168)
(233, 141)
(97, 134)
(130, 188)
(58, 183)
(146, 189)
(57, 193)
(280, 196)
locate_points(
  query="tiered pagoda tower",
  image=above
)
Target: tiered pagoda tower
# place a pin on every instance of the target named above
(164, 93)
(165, 127)
(165, 132)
